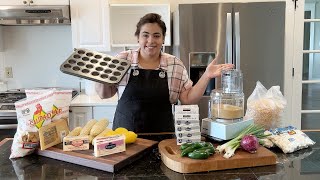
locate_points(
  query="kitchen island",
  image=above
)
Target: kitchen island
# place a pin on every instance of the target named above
(303, 164)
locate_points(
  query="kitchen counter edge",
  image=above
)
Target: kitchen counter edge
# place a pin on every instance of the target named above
(93, 100)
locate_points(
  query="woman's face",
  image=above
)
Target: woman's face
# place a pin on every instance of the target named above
(150, 39)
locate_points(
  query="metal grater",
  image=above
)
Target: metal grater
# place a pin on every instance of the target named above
(95, 66)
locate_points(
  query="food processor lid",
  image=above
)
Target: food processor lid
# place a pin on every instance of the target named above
(221, 93)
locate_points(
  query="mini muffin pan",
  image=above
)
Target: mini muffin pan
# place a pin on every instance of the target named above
(95, 66)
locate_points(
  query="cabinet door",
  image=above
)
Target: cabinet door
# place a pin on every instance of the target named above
(90, 24)
(100, 112)
(79, 116)
(49, 2)
(33, 2)
(13, 2)
(124, 17)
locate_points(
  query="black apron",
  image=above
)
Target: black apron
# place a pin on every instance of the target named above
(144, 106)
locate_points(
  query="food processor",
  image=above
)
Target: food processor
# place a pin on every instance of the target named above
(226, 110)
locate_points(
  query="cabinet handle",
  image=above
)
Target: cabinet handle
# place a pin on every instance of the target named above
(25, 2)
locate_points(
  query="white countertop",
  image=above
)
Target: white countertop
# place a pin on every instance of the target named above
(94, 100)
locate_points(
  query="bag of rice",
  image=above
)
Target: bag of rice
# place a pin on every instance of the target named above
(266, 106)
(290, 139)
(61, 104)
(32, 114)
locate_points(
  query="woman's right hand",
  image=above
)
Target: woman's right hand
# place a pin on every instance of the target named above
(214, 70)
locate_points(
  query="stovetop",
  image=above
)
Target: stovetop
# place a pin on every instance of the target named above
(11, 97)
(6, 107)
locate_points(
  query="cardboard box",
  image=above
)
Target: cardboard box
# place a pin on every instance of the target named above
(74, 143)
(188, 140)
(186, 109)
(186, 117)
(53, 133)
(109, 145)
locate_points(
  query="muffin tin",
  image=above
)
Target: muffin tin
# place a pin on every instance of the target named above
(95, 66)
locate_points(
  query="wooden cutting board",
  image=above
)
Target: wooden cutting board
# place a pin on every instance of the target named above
(170, 155)
(110, 163)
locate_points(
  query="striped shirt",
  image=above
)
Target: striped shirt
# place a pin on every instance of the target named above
(178, 79)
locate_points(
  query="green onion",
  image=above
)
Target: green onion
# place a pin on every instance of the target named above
(231, 146)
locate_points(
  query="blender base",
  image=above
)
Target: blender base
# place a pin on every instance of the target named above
(223, 131)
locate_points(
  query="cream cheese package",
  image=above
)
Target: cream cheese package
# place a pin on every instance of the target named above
(188, 134)
(186, 109)
(75, 143)
(109, 145)
(187, 128)
(187, 117)
(188, 140)
(187, 124)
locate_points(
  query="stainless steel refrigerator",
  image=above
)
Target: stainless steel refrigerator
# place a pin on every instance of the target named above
(251, 34)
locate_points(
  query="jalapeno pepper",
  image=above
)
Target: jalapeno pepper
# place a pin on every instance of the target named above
(198, 155)
(209, 144)
(191, 148)
(208, 149)
(185, 145)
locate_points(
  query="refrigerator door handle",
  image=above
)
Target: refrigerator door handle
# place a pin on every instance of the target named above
(229, 39)
(237, 36)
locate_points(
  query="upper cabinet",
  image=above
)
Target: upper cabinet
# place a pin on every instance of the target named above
(90, 24)
(124, 18)
(33, 2)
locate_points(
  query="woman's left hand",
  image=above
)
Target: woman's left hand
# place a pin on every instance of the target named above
(214, 70)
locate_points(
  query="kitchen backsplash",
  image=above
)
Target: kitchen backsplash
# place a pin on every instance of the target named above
(35, 54)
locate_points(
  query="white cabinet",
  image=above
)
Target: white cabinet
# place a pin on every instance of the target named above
(33, 2)
(13, 2)
(124, 18)
(90, 24)
(100, 112)
(79, 116)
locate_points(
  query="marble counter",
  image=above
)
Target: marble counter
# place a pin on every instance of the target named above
(303, 164)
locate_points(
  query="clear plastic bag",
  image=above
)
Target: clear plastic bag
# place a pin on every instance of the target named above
(290, 139)
(266, 106)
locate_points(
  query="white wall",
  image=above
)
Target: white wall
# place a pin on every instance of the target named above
(35, 54)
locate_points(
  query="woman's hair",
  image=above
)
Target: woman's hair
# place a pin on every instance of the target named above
(151, 18)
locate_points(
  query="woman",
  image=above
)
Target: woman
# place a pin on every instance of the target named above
(156, 80)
